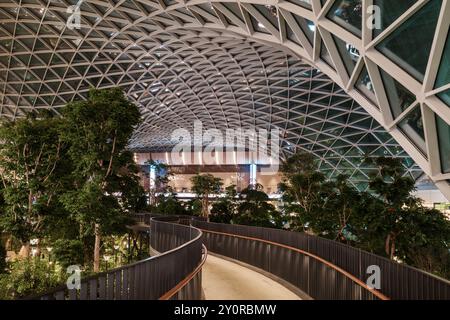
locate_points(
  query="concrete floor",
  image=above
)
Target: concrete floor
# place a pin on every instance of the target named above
(225, 280)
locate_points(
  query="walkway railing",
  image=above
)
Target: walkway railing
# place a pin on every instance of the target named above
(322, 268)
(173, 274)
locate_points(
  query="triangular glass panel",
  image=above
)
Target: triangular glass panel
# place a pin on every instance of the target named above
(20, 30)
(308, 27)
(348, 53)
(365, 85)
(443, 77)
(409, 45)
(399, 97)
(325, 55)
(445, 96)
(258, 26)
(303, 3)
(208, 8)
(390, 11)
(347, 14)
(24, 58)
(412, 127)
(443, 130)
(268, 11)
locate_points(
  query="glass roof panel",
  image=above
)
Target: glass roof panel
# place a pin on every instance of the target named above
(444, 143)
(443, 77)
(390, 11)
(399, 97)
(412, 126)
(348, 14)
(409, 45)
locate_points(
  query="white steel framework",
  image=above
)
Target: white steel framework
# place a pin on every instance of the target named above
(248, 63)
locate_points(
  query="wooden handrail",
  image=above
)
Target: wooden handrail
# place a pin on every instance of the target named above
(329, 264)
(169, 294)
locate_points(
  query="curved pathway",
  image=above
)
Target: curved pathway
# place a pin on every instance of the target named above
(225, 280)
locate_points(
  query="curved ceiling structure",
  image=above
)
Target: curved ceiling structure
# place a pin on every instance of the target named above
(248, 64)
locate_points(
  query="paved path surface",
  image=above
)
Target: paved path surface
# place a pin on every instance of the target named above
(225, 280)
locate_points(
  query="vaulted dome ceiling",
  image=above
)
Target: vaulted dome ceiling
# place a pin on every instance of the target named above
(237, 64)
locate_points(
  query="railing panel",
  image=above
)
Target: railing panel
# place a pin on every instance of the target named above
(398, 281)
(181, 253)
(102, 287)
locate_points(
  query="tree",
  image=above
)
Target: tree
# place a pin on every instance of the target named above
(68, 252)
(169, 204)
(254, 209)
(424, 239)
(394, 190)
(225, 208)
(97, 132)
(393, 222)
(203, 186)
(30, 154)
(342, 203)
(194, 207)
(302, 188)
(127, 181)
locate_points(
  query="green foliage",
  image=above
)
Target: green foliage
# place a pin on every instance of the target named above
(97, 131)
(69, 180)
(388, 221)
(204, 185)
(194, 207)
(132, 195)
(28, 277)
(224, 209)
(302, 187)
(91, 205)
(68, 252)
(254, 209)
(167, 205)
(30, 154)
(400, 220)
(341, 202)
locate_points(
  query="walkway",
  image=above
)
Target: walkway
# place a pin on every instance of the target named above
(225, 280)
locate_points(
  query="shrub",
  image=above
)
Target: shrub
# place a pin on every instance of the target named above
(68, 252)
(27, 277)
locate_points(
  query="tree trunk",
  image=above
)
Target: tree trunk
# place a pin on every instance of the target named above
(389, 245)
(8, 245)
(152, 197)
(205, 209)
(38, 250)
(25, 250)
(97, 248)
(392, 249)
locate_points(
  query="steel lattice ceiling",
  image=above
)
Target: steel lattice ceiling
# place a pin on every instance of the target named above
(243, 64)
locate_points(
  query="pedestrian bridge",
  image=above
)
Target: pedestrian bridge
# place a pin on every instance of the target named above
(201, 260)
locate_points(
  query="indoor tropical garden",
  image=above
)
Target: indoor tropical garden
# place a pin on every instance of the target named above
(70, 191)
